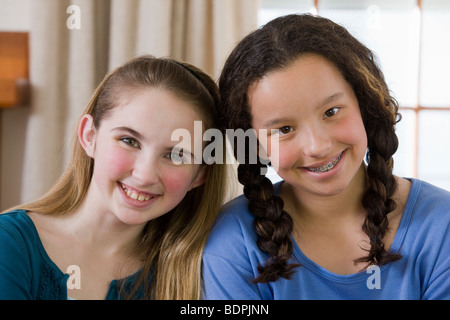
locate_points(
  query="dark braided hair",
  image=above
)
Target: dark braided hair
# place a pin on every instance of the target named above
(273, 47)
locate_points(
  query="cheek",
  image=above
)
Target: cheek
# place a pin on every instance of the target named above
(114, 163)
(280, 154)
(284, 158)
(176, 180)
(354, 133)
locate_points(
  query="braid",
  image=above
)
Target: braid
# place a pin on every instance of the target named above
(272, 224)
(378, 201)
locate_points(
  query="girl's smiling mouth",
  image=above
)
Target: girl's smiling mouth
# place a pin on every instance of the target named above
(327, 167)
(136, 194)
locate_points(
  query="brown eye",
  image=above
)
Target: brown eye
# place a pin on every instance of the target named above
(285, 129)
(330, 112)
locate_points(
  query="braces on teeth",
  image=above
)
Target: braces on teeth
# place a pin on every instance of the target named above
(327, 167)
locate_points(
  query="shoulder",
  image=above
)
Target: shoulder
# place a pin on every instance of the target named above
(234, 223)
(427, 237)
(16, 224)
(428, 201)
(432, 191)
(18, 235)
(426, 222)
(236, 209)
(231, 255)
(25, 269)
(16, 255)
(10, 216)
(427, 208)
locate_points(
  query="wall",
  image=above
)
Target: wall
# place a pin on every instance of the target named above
(15, 15)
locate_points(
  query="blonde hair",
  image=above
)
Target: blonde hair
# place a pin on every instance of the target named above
(172, 245)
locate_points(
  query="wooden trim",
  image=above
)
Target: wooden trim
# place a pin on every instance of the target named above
(422, 108)
(14, 68)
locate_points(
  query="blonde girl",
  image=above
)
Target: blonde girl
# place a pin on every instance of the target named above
(131, 219)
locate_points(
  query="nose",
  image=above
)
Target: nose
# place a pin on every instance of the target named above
(315, 141)
(145, 170)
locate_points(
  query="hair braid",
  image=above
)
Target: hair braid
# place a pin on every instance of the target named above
(378, 201)
(272, 224)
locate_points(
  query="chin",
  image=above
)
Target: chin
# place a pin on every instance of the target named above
(133, 218)
(332, 191)
(322, 189)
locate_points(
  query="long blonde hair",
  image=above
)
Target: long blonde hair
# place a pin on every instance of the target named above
(172, 245)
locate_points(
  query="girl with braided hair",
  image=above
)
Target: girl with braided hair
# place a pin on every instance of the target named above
(340, 225)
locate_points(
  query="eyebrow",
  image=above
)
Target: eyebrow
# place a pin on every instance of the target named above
(324, 102)
(132, 132)
(331, 98)
(275, 121)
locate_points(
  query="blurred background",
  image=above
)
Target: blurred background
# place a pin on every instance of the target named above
(73, 44)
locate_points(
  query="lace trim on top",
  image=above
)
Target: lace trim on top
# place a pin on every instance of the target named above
(52, 285)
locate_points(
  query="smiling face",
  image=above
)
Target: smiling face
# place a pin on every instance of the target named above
(134, 174)
(312, 113)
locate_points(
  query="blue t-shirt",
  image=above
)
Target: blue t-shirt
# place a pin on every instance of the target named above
(231, 258)
(26, 271)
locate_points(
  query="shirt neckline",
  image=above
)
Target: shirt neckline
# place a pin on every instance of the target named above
(49, 261)
(395, 246)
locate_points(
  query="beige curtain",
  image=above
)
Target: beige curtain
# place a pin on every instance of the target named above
(66, 65)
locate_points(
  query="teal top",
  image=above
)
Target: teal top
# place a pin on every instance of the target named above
(27, 272)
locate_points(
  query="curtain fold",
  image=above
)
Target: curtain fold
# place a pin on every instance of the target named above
(67, 64)
(49, 77)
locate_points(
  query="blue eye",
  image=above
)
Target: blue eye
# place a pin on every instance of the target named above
(178, 156)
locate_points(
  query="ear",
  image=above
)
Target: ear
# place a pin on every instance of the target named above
(200, 178)
(87, 134)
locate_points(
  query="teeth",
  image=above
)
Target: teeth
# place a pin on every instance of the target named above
(326, 167)
(136, 196)
(132, 194)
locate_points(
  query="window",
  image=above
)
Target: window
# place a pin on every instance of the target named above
(411, 39)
